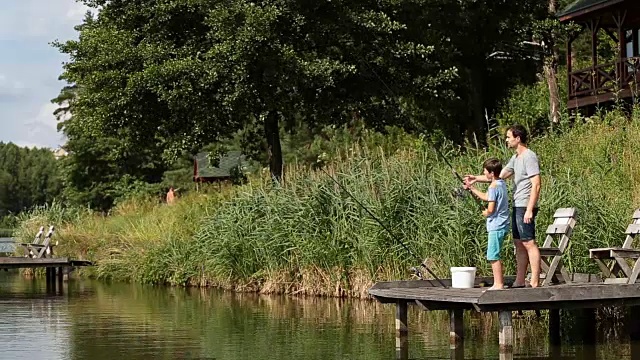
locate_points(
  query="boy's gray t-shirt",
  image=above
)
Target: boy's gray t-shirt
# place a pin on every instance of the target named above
(499, 219)
(524, 167)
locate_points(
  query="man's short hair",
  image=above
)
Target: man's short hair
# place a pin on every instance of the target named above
(493, 166)
(518, 130)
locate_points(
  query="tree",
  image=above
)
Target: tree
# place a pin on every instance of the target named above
(28, 177)
(155, 80)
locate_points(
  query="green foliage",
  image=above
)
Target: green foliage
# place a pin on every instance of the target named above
(28, 177)
(529, 105)
(308, 236)
(152, 82)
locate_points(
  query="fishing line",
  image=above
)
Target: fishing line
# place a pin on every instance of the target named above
(422, 264)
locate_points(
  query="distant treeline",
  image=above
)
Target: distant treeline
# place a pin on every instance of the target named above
(28, 177)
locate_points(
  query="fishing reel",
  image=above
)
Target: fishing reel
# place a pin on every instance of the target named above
(417, 272)
(459, 192)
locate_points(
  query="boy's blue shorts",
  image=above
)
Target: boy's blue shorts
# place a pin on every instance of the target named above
(496, 239)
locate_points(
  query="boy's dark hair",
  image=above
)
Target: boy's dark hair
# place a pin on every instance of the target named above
(493, 166)
(518, 130)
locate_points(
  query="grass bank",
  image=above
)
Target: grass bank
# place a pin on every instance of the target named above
(308, 237)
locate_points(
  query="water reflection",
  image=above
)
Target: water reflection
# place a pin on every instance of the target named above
(94, 320)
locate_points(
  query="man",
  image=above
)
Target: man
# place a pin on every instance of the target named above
(171, 196)
(525, 169)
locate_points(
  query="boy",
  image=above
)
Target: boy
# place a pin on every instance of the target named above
(497, 214)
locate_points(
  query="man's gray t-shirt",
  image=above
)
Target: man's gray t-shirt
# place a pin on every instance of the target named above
(524, 167)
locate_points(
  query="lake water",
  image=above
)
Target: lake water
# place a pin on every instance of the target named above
(97, 320)
(7, 245)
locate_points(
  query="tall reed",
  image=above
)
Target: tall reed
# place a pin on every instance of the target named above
(307, 236)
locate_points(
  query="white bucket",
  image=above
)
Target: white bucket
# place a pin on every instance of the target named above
(463, 277)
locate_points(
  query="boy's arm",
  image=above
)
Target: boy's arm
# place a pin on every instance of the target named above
(490, 209)
(481, 195)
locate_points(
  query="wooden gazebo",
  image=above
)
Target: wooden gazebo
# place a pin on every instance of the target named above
(604, 81)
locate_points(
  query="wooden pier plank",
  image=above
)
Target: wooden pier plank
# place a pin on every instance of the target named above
(25, 262)
(431, 294)
(574, 295)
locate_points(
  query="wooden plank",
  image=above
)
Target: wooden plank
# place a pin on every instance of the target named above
(632, 229)
(442, 296)
(549, 251)
(487, 280)
(565, 212)
(406, 284)
(435, 295)
(561, 293)
(442, 305)
(636, 214)
(25, 260)
(554, 229)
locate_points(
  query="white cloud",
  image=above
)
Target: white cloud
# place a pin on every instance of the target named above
(30, 66)
(38, 18)
(76, 12)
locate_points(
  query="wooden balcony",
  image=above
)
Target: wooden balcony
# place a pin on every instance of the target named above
(604, 83)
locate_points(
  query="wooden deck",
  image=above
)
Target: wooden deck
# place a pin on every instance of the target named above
(25, 262)
(585, 292)
(577, 295)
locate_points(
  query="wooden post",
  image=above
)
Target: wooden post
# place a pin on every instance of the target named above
(456, 334)
(401, 318)
(570, 90)
(588, 323)
(402, 346)
(595, 25)
(554, 327)
(555, 351)
(506, 332)
(59, 279)
(633, 325)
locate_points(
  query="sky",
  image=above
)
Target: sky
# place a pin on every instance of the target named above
(30, 67)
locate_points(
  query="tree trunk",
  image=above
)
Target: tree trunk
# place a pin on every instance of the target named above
(550, 73)
(476, 131)
(274, 150)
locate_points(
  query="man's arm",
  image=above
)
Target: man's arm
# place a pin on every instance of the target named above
(506, 173)
(533, 198)
(471, 179)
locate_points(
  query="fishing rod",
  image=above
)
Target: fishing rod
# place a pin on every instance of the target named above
(457, 192)
(422, 264)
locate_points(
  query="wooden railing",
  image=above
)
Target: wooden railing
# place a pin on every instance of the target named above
(605, 78)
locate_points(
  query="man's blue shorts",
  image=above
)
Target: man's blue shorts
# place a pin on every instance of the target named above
(519, 229)
(496, 239)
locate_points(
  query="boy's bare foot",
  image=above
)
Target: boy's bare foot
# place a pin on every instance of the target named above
(496, 287)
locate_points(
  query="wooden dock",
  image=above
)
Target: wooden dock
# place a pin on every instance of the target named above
(55, 268)
(586, 292)
(15, 262)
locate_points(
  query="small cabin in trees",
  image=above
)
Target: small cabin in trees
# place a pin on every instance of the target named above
(603, 58)
(204, 171)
